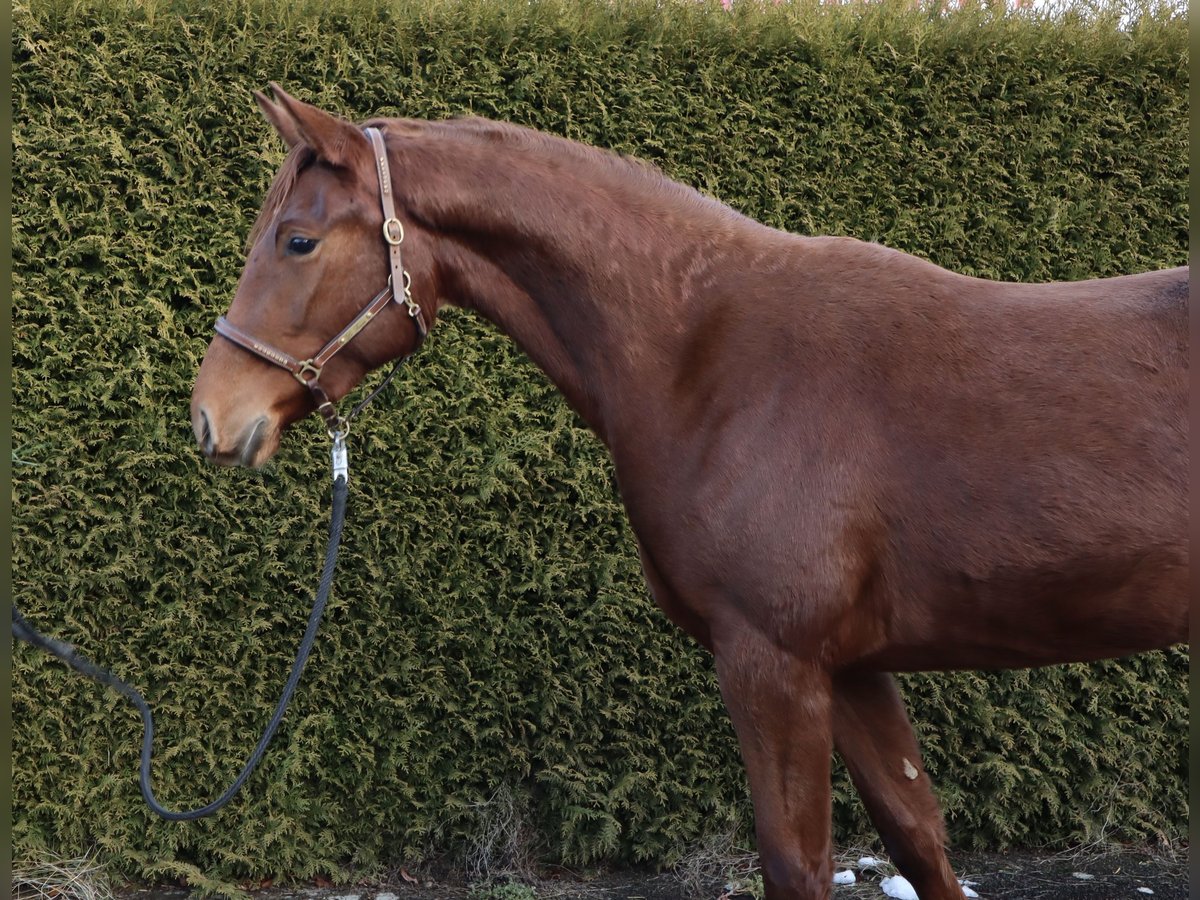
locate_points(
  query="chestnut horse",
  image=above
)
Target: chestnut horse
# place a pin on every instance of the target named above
(839, 460)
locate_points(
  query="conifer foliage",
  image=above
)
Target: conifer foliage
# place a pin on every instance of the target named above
(489, 630)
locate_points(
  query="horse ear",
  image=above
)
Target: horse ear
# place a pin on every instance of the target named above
(334, 140)
(279, 119)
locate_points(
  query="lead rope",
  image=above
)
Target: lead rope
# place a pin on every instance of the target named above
(399, 283)
(68, 654)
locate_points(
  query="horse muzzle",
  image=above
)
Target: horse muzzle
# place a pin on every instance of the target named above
(250, 444)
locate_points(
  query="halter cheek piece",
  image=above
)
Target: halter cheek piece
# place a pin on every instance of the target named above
(308, 371)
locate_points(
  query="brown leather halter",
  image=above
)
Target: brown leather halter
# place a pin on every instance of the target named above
(308, 371)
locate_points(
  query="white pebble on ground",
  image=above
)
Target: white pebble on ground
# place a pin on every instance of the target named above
(898, 887)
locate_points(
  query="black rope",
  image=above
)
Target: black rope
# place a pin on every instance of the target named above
(24, 631)
(378, 390)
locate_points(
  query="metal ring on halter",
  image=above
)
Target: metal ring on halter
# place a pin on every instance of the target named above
(393, 232)
(409, 304)
(307, 369)
(335, 424)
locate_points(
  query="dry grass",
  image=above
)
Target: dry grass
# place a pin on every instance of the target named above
(716, 859)
(716, 867)
(71, 879)
(503, 840)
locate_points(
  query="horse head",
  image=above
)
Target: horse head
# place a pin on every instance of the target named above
(321, 248)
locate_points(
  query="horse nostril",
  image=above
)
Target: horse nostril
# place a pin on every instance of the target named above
(250, 446)
(207, 441)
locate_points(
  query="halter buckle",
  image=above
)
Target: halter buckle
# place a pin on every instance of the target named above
(307, 369)
(393, 231)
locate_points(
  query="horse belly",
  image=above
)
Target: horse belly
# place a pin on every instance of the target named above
(1086, 610)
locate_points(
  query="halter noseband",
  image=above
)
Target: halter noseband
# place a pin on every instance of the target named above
(308, 371)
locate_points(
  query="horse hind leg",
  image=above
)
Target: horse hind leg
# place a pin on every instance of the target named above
(780, 710)
(873, 735)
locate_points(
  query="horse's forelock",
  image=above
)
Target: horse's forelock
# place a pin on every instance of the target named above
(299, 158)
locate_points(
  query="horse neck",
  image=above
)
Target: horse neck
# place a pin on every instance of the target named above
(601, 272)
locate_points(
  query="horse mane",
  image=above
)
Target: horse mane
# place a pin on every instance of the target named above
(476, 128)
(637, 180)
(521, 137)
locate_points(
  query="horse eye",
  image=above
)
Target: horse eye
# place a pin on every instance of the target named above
(301, 246)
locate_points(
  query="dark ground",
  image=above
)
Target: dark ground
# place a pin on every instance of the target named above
(1009, 876)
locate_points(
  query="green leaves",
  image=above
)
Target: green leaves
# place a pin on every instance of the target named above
(489, 627)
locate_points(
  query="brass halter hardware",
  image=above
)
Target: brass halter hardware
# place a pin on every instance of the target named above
(308, 371)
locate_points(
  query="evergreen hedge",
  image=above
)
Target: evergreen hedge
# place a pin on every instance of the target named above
(490, 635)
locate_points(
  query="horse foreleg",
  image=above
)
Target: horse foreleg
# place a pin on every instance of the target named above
(872, 733)
(780, 709)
